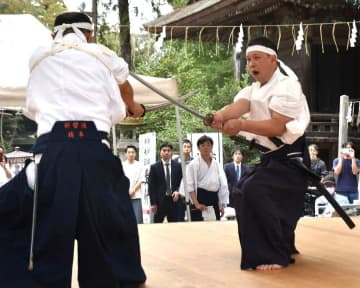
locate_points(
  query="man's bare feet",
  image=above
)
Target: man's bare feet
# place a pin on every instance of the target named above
(269, 267)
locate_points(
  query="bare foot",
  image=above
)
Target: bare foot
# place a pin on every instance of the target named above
(266, 267)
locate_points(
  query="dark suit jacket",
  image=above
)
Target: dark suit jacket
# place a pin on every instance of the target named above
(230, 173)
(157, 183)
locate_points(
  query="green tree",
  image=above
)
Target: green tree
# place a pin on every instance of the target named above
(208, 73)
(44, 10)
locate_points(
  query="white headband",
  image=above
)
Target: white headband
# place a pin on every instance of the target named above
(261, 48)
(267, 50)
(60, 29)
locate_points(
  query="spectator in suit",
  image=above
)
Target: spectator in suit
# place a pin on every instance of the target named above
(164, 181)
(234, 171)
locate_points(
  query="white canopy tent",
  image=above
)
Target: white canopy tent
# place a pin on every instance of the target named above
(20, 34)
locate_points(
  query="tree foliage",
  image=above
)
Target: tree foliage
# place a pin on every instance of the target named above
(44, 10)
(206, 72)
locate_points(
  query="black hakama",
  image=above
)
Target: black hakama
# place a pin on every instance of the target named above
(83, 195)
(270, 203)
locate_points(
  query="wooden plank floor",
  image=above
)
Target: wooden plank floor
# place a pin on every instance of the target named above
(178, 255)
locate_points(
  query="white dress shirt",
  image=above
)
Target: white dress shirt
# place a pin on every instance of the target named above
(75, 85)
(283, 95)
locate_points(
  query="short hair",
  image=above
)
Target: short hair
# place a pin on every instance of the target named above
(204, 139)
(351, 144)
(236, 149)
(316, 147)
(187, 141)
(71, 17)
(263, 41)
(129, 147)
(166, 144)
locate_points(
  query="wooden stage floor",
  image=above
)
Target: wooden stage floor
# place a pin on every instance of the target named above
(207, 255)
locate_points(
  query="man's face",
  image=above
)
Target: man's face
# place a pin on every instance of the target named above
(166, 153)
(130, 154)
(237, 156)
(313, 152)
(186, 148)
(205, 149)
(261, 65)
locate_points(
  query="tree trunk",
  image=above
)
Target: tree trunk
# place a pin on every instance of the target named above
(94, 17)
(125, 47)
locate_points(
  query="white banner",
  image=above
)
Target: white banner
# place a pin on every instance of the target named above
(147, 148)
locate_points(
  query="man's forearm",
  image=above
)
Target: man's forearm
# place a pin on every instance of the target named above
(127, 93)
(235, 110)
(193, 198)
(134, 109)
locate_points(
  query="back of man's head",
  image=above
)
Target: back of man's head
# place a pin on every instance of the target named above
(71, 17)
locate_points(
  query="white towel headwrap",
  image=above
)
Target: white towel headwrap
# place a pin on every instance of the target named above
(60, 29)
(267, 50)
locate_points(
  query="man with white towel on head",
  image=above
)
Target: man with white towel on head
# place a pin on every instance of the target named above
(270, 199)
(77, 90)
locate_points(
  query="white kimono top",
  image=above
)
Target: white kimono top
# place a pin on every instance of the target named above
(283, 95)
(75, 85)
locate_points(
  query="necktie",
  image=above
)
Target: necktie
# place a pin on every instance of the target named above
(167, 178)
(237, 172)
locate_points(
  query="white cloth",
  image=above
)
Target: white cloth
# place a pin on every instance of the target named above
(208, 214)
(324, 209)
(74, 85)
(135, 172)
(213, 178)
(280, 94)
(3, 178)
(60, 29)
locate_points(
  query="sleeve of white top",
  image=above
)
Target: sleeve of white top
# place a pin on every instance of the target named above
(190, 181)
(181, 188)
(244, 93)
(289, 100)
(118, 66)
(30, 107)
(224, 190)
(120, 69)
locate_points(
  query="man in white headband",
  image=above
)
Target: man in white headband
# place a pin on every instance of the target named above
(77, 90)
(270, 200)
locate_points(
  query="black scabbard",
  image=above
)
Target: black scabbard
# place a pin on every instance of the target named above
(324, 192)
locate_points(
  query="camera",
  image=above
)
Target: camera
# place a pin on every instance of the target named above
(346, 150)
